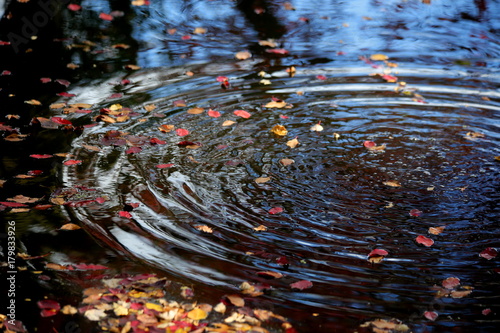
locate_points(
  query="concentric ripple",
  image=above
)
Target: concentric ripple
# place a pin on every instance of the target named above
(441, 131)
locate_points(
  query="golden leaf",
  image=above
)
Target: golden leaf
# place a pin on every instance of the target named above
(22, 199)
(199, 31)
(70, 226)
(33, 102)
(149, 107)
(292, 143)
(72, 66)
(436, 230)
(115, 107)
(154, 306)
(69, 310)
(279, 130)
(132, 67)
(269, 43)
(228, 123)
(286, 161)
(197, 314)
(460, 293)
(57, 105)
(379, 56)
(204, 228)
(195, 111)
(260, 228)
(166, 128)
(243, 55)
(262, 180)
(392, 183)
(276, 104)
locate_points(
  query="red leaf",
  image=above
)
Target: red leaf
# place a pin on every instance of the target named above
(12, 204)
(277, 51)
(115, 95)
(181, 132)
(35, 172)
(321, 77)
(242, 113)
(424, 240)
(106, 17)
(5, 72)
(100, 200)
(2, 42)
(163, 166)
(124, 82)
(186, 37)
(389, 78)
(66, 94)
(369, 144)
(89, 267)
(60, 121)
(486, 312)
(187, 143)
(156, 141)
(282, 116)
(39, 156)
(451, 282)
(72, 162)
(74, 7)
(489, 253)
(378, 252)
(45, 79)
(303, 284)
(282, 260)
(65, 83)
(125, 214)
(431, 315)
(48, 304)
(275, 210)
(222, 78)
(133, 150)
(213, 113)
(48, 313)
(415, 212)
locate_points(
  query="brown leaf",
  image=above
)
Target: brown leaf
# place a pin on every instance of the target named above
(195, 110)
(262, 180)
(275, 104)
(460, 293)
(57, 105)
(392, 183)
(149, 107)
(22, 199)
(204, 228)
(70, 226)
(33, 102)
(166, 128)
(436, 230)
(243, 55)
(286, 161)
(260, 228)
(236, 300)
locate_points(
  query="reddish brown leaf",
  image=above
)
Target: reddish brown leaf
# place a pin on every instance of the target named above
(181, 132)
(431, 315)
(242, 113)
(156, 141)
(424, 240)
(451, 282)
(275, 210)
(222, 78)
(66, 94)
(163, 166)
(277, 51)
(489, 253)
(321, 77)
(12, 204)
(378, 252)
(133, 150)
(415, 212)
(301, 285)
(73, 162)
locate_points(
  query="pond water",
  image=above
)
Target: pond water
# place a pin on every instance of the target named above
(392, 117)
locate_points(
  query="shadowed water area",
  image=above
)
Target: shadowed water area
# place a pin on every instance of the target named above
(192, 189)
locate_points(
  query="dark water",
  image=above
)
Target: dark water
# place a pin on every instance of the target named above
(441, 130)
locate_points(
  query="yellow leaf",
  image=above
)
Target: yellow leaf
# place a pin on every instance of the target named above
(436, 230)
(316, 127)
(220, 308)
(269, 42)
(92, 148)
(265, 82)
(276, 104)
(262, 180)
(69, 310)
(132, 67)
(199, 31)
(392, 183)
(149, 107)
(260, 228)
(120, 310)
(279, 130)
(204, 228)
(242, 55)
(379, 56)
(195, 111)
(197, 314)
(57, 105)
(115, 107)
(33, 102)
(228, 123)
(292, 143)
(154, 306)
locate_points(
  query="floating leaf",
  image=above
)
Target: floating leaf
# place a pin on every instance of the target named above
(424, 240)
(163, 166)
(276, 104)
(204, 228)
(166, 128)
(460, 293)
(73, 162)
(133, 150)
(181, 132)
(378, 252)
(236, 300)
(451, 282)
(156, 141)
(392, 183)
(286, 161)
(195, 111)
(301, 285)
(436, 230)
(106, 17)
(262, 180)
(489, 253)
(415, 212)
(293, 143)
(431, 315)
(270, 274)
(95, 314)
(199, 31)
(125, 214)
(279, 130)
(228, 123)
(370, 145)
(378, 56)
(213, 113)
(70, 226)
(242, 113)
(242, 55)
(149, 107)
(317, 127)
(321, 77)
(33, 102)
(275, 210)
(90, 267)
(60, 121)
(260, 228)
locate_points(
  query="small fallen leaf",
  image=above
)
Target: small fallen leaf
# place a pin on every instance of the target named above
(370, 145)
(243, 55)
(275, 210)
(228, 123)
(204, 228)
(213, 113)
(301, 285)
(270, 274)
(242, 113)
(181, 132)
(149, 107)
(197, 314)
(451, 282)
(378, 56)
(292, 143)
(392, 183)
(415, 212)
(460, 293)
(166, 128)
(73, 162)
(436, 230)
(199, 31)
(236, 300)
(489, 253)
(33, 102)
(286, 161)
(424, 240)
(195, 110)
(431, 315)
(69, 310)
(163, 166)
(95, 314)
(262, 180)
(70, 226)
(279, 130)
(276, 104)
(260, 228)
